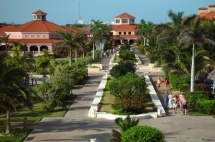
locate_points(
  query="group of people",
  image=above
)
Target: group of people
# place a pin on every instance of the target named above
(166, 82)
(173, 101)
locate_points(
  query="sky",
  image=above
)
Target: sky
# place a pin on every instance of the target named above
(63, 12)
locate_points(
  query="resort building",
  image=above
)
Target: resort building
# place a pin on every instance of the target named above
(207, 12)
(37, 34)
(124, 29)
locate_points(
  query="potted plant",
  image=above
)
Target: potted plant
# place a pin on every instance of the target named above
(99, 106)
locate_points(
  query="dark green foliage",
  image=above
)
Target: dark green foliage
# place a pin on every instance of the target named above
(142, 134)
(178, 81)
(123, 125)
(206, 106)
(98, 56)
(42, 64)
(141, 48)
(122, 68)
(206, 88)
(125, 47)
(193, 97)
(126, 55)
(134, 105)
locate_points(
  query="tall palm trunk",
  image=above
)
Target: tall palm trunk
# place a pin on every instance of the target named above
(8, 126)
(192, 69)
(70, 63)
(76, 55)
(93, 51)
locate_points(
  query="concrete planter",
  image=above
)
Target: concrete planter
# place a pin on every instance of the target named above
(93, 69)
(98, 65)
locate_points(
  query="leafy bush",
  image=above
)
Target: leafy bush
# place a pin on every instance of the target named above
(125, 46)
(42, 64)
(142, 134)
(192, 97)
(126, 55)
(206, 106)
(122, 68)
(141, 49)
(134, 105)
(206, 88)
(178, 81)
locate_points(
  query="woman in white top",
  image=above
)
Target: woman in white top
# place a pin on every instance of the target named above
(170, 100)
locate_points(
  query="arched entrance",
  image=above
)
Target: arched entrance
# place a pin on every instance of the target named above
(117, 42)
(33, 48)
(131, 41)
(43, 47)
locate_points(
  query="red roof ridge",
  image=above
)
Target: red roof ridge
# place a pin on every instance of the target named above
(212, 5)
(45, 25)
(39, 12)
(124, 15)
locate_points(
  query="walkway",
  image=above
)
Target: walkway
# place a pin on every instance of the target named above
(77, 127)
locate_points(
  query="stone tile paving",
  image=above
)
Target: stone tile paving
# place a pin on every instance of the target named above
(77, 127)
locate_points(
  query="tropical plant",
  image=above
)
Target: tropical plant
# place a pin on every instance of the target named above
(5, 39)
(123, 125)
(11, 93)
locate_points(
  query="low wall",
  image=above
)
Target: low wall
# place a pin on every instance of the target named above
(93, 70)
(98, 65)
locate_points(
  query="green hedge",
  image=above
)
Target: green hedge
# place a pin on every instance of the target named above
(142, 134)
(179, 82)
(206, 106)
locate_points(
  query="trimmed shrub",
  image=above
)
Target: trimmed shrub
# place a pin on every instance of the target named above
(126, 55)
(125, 46)
(122, 69)
(142, 134)
(179, 82)
(134, 105)
(206, 106)
(192, 97)
(141, 49)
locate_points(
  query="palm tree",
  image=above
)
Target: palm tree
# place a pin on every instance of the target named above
(143, 30)
(191, 36)
(18, 59)
(70, 42)
(5, 39)
(11, 93)
(123, 125)
(101, 33)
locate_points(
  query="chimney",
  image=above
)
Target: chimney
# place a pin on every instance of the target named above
(202, 10)
(211, 7)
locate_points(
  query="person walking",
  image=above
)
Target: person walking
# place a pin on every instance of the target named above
(158, 82)
(181, 98)
(165, 99)
(170, 97)
(184, 105)
(166, 82)
(175, 103)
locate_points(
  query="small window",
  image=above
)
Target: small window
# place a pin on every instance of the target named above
(32, 35)
(38, 16)
(38, 35)
(129, 33)
(124, 20)
(43, 17)
(117, 21)
(35, 17)
(44, 35)
(51, 35)
(124, 33)
(26, 35)
(119, 33)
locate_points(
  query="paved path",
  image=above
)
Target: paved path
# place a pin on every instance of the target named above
(77, 127)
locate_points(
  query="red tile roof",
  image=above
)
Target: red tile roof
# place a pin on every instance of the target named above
(38, 26)
(76, 30)
(3, 29)
(207, 15)
(212, 5)
(126, 36)
(202, 8)
(123, 27)
(125, 15)
(39, 12)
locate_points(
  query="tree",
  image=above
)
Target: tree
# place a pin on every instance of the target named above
(101, 33)
(5, 39)
(11, 93)
(123, 125)
(191, 36)
(143, 30)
